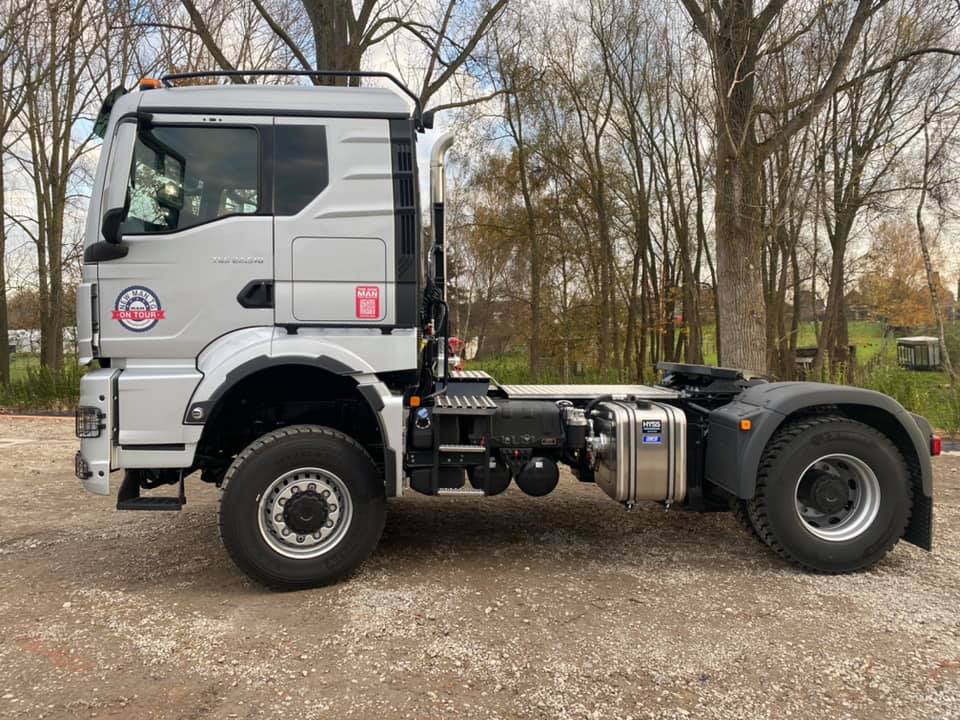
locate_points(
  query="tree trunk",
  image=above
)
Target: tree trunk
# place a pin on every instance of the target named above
(742, 319)
(334, 51)
(4, 320)
(932, 279)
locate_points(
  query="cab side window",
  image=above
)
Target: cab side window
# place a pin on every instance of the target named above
(300, 166)
(185, 176)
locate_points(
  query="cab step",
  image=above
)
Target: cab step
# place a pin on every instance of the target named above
(462, 492)
(129, 497)
(150, 503)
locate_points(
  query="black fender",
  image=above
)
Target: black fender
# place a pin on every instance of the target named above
(733, 454)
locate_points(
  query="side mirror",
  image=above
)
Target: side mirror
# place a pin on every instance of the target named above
(427, 119)
(111, 247)
(110, 228)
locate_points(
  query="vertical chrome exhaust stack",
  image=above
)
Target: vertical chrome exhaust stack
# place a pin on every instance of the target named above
(437, 181)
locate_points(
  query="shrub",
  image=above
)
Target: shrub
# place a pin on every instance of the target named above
(38, 388)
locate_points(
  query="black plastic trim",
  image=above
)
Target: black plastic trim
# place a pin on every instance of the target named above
(213, 111)
(257, 294)
(406, 222)
(284, 72)
(103, 251)
(250, 367)
(733, 456)
(162, 447)
(389, 456)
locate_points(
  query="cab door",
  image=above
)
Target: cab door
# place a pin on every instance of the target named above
(334, 223)
(197, 222)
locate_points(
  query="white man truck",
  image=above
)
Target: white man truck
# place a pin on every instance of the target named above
(258, 307)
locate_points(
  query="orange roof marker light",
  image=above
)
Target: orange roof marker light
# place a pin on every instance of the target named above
(149, 84)
(746, 425)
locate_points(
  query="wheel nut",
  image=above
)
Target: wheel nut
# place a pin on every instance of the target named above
(299, 538)
(312, 487)
(279, 518)
(285, 531)
(331, 508)
(325, 493)
(329, 524)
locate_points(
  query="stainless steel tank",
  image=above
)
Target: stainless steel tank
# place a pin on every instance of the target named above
(641, 451)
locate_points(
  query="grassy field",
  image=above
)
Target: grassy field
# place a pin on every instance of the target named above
(513, 367)
(931, 394)
(21, 364)
(36, 389)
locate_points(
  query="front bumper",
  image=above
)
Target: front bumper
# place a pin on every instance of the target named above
(96, 428)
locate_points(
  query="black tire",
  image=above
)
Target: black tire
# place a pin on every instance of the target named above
(773, 511)
(254, 471)
(738, 508)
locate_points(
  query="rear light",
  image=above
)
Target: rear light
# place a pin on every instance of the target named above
(88, 422)
(936, 445)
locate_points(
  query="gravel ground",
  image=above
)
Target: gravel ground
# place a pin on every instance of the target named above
(510, 607)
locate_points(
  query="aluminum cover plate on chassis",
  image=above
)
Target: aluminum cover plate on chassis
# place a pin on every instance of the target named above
(584, 392)
(643, 451)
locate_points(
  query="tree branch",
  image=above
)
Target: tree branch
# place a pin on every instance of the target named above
(283, 35)
(204, 32)
(471, 101)
(827, 90)
(697, 16)
(430, 88)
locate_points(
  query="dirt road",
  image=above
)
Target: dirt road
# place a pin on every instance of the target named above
(509, 607)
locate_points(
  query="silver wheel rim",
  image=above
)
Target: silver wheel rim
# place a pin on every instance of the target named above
(853, 513)
(287, 541)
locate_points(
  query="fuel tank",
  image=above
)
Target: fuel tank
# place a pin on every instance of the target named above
(640, 450)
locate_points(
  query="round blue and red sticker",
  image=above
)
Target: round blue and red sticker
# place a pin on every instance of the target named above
(138, 309)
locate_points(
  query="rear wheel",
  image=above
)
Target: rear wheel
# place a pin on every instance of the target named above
(738, 508)
(833, 494)
(301, 507)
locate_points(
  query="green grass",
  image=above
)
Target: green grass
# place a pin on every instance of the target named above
(930, 394)
(514, 368)
(35, 388)
(21, 364)
(927, 393)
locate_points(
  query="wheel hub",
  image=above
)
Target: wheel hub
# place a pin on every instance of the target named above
(306, 512)
(829, 493)
(837, 497)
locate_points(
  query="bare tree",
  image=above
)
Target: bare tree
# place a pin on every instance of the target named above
(13, 94)
(941, 109)
(342, 34)
(739, 39)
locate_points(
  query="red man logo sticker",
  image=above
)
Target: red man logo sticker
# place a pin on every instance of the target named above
(368, 302)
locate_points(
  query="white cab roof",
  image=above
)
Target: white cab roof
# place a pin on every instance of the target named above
(276, 99)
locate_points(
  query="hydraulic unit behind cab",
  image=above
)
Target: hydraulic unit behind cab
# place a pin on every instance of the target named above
(255, 305)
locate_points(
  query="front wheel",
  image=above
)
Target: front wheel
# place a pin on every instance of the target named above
(833, 494)
(302, 506)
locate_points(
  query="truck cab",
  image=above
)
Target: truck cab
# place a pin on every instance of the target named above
(258, 307)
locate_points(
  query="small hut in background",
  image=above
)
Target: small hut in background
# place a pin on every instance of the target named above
(919, 353)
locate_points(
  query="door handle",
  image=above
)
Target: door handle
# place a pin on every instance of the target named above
(256, 294)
